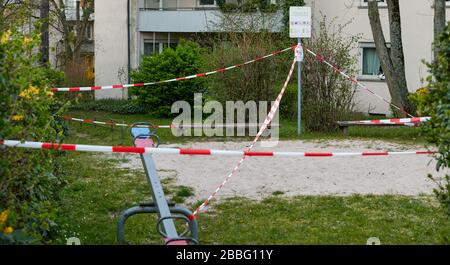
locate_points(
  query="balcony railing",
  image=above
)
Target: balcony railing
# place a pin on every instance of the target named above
(178, 5)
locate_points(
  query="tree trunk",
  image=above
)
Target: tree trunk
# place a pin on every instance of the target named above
(397, 55)
(45, 41)
(439, 20)
(392, 63)
(382, 50)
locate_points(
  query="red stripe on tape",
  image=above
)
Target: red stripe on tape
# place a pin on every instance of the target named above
(139, 84)
(415, 120)
(320, 57)
(96, 88)
(249, 153)
(180, 78)
(394, 120)
(127, 149)
(191, 217)
(55, 89)
(221, 70)
(66, 147)
(74, 89)
(200, 75)
(375, 153)
(117, 86)
(195, 152)
(425, 153)
(88, 121)
(318, 154)
(353, 80)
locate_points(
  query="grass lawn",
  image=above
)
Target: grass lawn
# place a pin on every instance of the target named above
(94, 134)
(97, 192)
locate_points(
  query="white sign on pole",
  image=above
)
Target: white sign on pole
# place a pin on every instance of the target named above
(300, 22)
(299, 55)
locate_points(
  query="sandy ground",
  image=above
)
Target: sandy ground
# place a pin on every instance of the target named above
(259, 177)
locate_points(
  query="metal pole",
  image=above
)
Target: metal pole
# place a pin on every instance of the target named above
(299, 96)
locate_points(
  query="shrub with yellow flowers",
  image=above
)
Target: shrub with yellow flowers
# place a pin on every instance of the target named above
(29, 179)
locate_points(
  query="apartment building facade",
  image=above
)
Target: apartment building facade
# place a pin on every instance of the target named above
(73, 12)
(125, 30)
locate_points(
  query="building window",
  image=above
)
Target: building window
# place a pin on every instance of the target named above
(207, 2)
(156, 47)
(90, 31)
(151, 4)
(151, 48)
(370, 67)
(371, 62)
(380, 2)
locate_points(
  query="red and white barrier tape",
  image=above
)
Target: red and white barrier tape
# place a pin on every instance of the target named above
(321, 58)
(120, 86)
(244, 154)
(155, 126)
(194, 152)
(402, 121)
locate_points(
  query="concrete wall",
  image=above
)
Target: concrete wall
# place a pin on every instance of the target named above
(417, 34)
(111, 47)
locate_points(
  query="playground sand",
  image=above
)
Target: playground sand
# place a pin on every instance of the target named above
(260, 177)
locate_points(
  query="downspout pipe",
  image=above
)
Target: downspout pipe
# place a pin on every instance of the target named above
(129, 38)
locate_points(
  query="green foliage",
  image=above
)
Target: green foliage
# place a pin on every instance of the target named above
(326, 96)
(28, 179)
(185, 59)
(434, 101)
(260, 81)
(248, 6)
(119, 106)
(288, 107)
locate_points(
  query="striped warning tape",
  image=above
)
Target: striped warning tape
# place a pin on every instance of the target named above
(193, 152)
(267, 121)
(401, 121)
(155, 126)
(322, 59)
(120, 86)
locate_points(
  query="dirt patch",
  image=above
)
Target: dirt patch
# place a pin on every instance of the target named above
(260, 177)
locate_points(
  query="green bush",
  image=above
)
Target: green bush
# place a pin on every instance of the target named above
(119, 106)
(259, 81)
(29, 179)
(327, 97)
(288, 106)
(185, 59)
(434, 101)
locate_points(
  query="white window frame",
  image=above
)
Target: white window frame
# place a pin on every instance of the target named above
(150, 41)
(361, 47)
(160, 42)
(90, 32)
(147, 7)
(380, 3)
